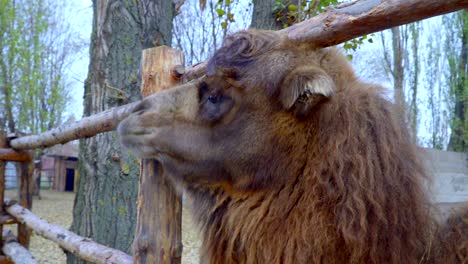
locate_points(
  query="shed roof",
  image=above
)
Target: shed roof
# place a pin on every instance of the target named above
(65, 150)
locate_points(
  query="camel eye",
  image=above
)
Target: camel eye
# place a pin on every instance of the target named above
(202, 90)
(207, 96)
(215, 106)
(214, 103)
(214, 99)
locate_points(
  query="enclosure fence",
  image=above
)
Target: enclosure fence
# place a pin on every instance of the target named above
(161, 69)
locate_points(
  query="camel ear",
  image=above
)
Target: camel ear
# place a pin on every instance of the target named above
(304, 87)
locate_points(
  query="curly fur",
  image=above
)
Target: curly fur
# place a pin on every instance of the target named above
(334, 178)
(358, 197)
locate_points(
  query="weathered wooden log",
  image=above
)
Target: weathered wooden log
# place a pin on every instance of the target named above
(82, 247)
(5, 260)
(15, 251)
(195, 71)
(7, 219)
(158, 237)
(8, 154)
(350, 20)
(25, 197)
(86, 127)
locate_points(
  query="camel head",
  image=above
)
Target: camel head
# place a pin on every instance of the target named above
(238, 124)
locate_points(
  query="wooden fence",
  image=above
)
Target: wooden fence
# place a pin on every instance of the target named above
(335, 26)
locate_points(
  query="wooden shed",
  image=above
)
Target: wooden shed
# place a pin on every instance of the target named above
(59, 166)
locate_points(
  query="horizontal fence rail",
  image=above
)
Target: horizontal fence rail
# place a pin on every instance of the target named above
(16, 252)
(80, 246)
(7, 154)
(86, 127)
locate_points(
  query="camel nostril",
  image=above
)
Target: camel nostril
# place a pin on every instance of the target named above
(122, 129)
(140, 107)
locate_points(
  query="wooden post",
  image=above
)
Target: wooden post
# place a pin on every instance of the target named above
(25, 197)
(3, 144)
(159, 221)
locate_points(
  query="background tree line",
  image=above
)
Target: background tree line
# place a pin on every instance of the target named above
(37, 47)
(425, 63)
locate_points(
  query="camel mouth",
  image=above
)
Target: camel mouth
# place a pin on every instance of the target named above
(140, 140)
(140, 145)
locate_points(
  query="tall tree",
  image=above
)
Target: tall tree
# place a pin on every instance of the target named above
(413, 110)
(32, 101)
(35, 47)
(10, 26)
(456, 48)
(434, 63)
(402, 66)
(105, 208)
(394, 63)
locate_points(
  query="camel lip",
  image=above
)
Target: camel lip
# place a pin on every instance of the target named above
(142, 148)
(125, 129)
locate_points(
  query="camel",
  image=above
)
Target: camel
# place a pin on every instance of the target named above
(288, 157)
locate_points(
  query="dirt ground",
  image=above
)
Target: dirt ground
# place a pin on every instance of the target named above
(56, 207)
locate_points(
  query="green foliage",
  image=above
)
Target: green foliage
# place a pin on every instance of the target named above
(223, 9)
(456, 49)
(437, 127)
(287, 13)
(32, 83)
(220, 12)
(354, 44)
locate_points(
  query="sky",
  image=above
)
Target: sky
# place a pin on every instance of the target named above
(81, 17)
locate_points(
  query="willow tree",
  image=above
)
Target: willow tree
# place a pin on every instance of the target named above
(105, 208)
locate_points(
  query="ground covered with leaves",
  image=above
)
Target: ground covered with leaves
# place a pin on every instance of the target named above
(57, 207)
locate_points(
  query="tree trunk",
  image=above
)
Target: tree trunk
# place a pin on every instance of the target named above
(105, 203)
(262, 16)
(398, 70)
(414, 80)
(459, 137)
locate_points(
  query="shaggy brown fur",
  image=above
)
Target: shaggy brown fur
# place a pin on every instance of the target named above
(289, 158)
